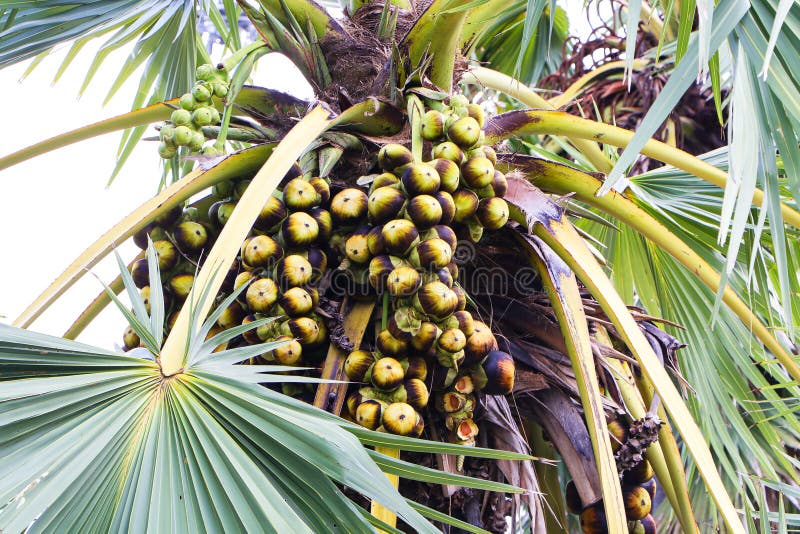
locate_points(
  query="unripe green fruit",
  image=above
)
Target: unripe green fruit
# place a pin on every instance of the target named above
(201, 93)
(167, 133)
(183, 136)
(385, 204)
(403, 281)
(180, 285)
(357, 364)
(399, 235)
(181, 117)
(294, 271)
(464, 132)
(290, 353)
(201, 116)
(477, 172)
(424, 211)
(166, 150)
(300, 230)
(387, 373)
(477, 113)
(261, 251)
(432, 125)
(400, 418)
(421, 179)
(492, 213)
(300, 195)
(215, 118)
(204, 72)
(393, 156)
(448, 150)
(489, 153)
(349, 206)
(449, 173)
(196, 144)
(459, 100)
(220, 89)
(436, 300)
(188, 102)
(190, 236)
(296, 302)
(261, 295)
(432, 254)
(466, 202)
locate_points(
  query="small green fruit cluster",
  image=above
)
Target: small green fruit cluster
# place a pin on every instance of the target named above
(197, 109)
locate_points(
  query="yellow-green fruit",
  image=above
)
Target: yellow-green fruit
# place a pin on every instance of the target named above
(221, 212)
(500, 371)
(640, 473)
(322, 187)
(461, 295)
(384, 179)
(271, 215)
(349, 206)
(476, 112)
(300, 195)
(399, 235)
(432, 254)
(447, 205)
(167, 255)
(357, 248)
(324, 223)
(421, 179)
(436, 300)
(140, 272)
(448, 150)
(187, 102)
(637, 503)
(416, 393)
(261, 251)
(399, 418)
(403, 281)
(499, 184)
(202, 116)
(479, 343)
(375, 242)
(492, 213)
(357, 364)
(251, 336)
(393, 156)
(424, 339)
(293, 271)
(304, 329)
(130, 338)
(243, 278)
(424, 211)
(300, 230)
(290, 353)
(181, 117)
(296, 302)
(379, 269)
(167, 149)
(196, 144)
(180, 285)
(201, 93)
(467, 430)
(388, 345)
(448, 235)
(353, 400)
(466, 202)
(369, 414)
(593, 520)
(449, 174)
(465, 322)
(190, 236)
(231, 316)
(417, 368)
(145, 294)
(452, 340)
(387, 373)
(619, 434)
(432, 125)
(477, 172)
(464, 132)
(385, 204)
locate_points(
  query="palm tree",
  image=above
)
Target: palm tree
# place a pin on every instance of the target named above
(705, 246)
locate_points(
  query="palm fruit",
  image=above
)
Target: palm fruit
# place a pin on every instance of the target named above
(130, 339)
(452, 402)
(593, 520)
(648, 524)
(385, 204)
(448, 235)
(357, 365)
(299, 230)
(443, 275)
(140, 272)
(181, 117)
(304, 329)
(449, 173)
(465, 322)
(639, 473)
(399, 418)
(420, 179)
(387, 373)
(416, 393)
(155, 233)
(190, 236)
(479, 343)
(349, 206)
(432, 125)
(183, 134)
(403, 281)
(375, 242)
(231, 316)
(448, 150)
(417, 368)
(436, 300)
(318, 261)
(573, 498)
(432, 254)
(324, 223)
(221, 212)
(180, 285)
(369, 414)
(271, 215)
(290, 353)
(201, 93)
(424, 339)
(322, 187)
(477, 172)
(384, 179)
(619, 433)
(452, 340)
(424, 211)
(300, 195)
(399, 235)
(293, 271)
(296, 302)
(500, 369)
(492, 213)
(464, 384)
(393, 156)
(261, 251)
(388, 345)
(403, 323)
(357, 247)
(499, 184)
(466, 430)
(464, 132)
(466, 202)
(251, 336)
(202, 117)
(447, 205)
(637, 503)
(379, 269)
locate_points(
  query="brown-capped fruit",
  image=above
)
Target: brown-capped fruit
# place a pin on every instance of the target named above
(399, 235)
(639, 473)
(180, 285)
(384, 179)
(464, 132)
(140, 272)
(304, 329)
(130, 339)
(190, 236)
(479, 343)
(448, 150)
(399, 418)
(385, 204)
(432, 254)
(293, 271)
(425, 337)
(261, 251)
(448, 235)
(322, 187)
(357, 364)
(637, 503)
(465, 322)
(300, 195)
(387, 373)
(349, 206)
(369, 414)
(296, 302)
(356, 247)
(417, 368)
(619, 433)
(403, 281)
(500, 370)
(448, 206)
(417, 394)
(593, 520)
(421, 179)
(449, 173)
(436, 300)
(231, 316)
(499, 184)
(477, 172)
(375, 242)
(432, 125)
(324, 223)
(466, 202)
(492, 213)
(271, 215)
(251, 336)
(300, 230)
(393, 156)
(424, 211)
(261, 294)
(452, 340)
(388, 345)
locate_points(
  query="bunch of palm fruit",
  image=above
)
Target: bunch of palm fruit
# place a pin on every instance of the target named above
(397, 240)
(197, 110)
(638, 493)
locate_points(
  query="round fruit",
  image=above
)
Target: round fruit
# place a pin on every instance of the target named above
(299, 195)
(385, 204)
(271, 215)
(357, 364)
(190, 236)
(324, 222)
(388, 345)
(421, 179)
(464, 132)
(417, 394)
(424, 211)
(432, 125)
(448, 150)
(181, 284)
(369, 414)
(140, 272)
(452, 340)
(593, 520)
(500, 369)
(399, 418)
(294, 270)
(357, 248)
(399, 235)
(492, 213)
(403, 281)
(448, 206)
(290, 353)
(637, 503)
(432, 254)
(261, 295)
(387, 374)
(393, 156)
(425, 338)
(479, 343)
(296, 302)
(322, 187)
(349, 206)
(573, 498)
(499, 184)
(466, 202)
(436, 300)
(477, 172)
(305, 329)
(300, 230)
(261, 251)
